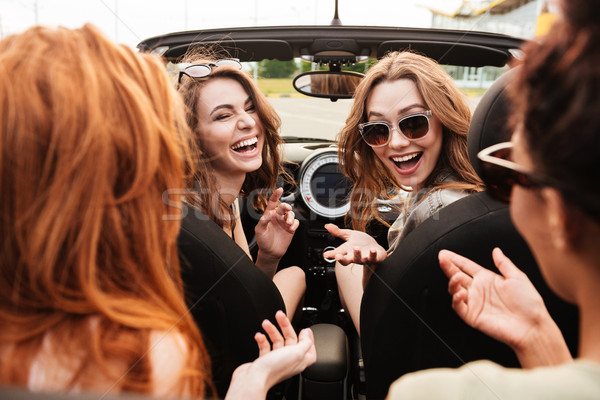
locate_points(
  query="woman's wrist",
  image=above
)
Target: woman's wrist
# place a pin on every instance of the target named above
(268, 257)
(257, 385)
(544, 345)
(251, 384)
(267, 263)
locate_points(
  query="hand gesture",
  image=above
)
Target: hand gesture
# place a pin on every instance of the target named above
(287, 356)
(360, 247)
(275, 230)
(506, 307)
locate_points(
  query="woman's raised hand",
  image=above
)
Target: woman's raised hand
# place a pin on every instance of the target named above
(506, 307)
(276, 228)
(287, 356)
(359, 248)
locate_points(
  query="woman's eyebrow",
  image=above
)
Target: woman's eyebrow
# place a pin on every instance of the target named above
(220, 107)
(402, 111)
(229, 106)
(405, 109)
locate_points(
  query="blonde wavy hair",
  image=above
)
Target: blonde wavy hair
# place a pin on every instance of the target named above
(373, 180)
(259, 183)
(92, 138)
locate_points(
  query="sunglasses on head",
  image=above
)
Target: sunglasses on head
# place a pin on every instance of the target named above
(411, 127)
(198, 71)
(500, 173)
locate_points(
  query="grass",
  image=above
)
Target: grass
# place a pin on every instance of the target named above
(275, 85)
(470, 92)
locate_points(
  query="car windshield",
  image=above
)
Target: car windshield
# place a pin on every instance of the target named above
(127, 22)
(320, 118)
(305, 117)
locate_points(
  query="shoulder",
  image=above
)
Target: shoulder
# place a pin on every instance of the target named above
(487, 380)
(432, 200)
(168, 357)
(438, 199)
(425, 204)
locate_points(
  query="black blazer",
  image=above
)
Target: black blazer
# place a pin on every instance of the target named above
(227, 294)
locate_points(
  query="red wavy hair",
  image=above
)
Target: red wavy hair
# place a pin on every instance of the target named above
(92, 137)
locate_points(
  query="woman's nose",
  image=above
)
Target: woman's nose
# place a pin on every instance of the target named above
(397, 139)
(246, 121)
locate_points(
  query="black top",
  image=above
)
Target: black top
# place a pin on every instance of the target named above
(227, 294)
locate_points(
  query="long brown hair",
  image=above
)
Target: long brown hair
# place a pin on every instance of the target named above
(373, 180)
(257, 183)
(92, 138)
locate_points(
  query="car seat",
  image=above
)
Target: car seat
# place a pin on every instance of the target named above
(226, 293)
(407, 320)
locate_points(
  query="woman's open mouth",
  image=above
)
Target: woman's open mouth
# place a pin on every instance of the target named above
(245, 146)
(407, 162)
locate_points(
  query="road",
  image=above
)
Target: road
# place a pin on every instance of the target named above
(311, 117)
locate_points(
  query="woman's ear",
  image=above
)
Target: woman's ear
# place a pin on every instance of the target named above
(563, 220)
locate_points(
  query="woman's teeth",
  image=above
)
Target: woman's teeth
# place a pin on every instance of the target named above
(408, 161)
(405, 158)
(245, 143)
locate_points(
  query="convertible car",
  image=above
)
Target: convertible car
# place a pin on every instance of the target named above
(311, 124)
(407, 322)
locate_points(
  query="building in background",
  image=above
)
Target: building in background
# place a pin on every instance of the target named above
(520, 18)
(511, 17)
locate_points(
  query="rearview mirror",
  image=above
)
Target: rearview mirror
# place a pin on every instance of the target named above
(327, 84)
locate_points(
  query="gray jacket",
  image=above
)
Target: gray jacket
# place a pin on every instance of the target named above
(421, 205)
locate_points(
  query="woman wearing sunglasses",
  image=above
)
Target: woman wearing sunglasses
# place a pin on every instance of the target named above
(549, 173)
(407, 131)
(238, 132)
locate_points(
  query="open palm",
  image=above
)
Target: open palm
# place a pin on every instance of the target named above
(359, 247)
(506, 307)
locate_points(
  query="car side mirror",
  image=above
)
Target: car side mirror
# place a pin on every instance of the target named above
(327, 84)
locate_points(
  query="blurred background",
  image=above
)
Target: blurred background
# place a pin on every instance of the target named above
(130, 21)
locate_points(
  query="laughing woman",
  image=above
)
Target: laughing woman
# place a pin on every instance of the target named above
(407, 130)
(237, 130)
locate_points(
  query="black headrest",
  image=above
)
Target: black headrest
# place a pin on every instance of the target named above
(489, 122)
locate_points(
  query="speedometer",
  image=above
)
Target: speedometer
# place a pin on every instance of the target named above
(323, 188)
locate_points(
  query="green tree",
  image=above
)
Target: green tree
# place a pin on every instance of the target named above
(308, 66)
(276, 68)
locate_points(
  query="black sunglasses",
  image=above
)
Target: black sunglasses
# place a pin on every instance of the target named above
(500, 174)
(198, 71)
(412, 127)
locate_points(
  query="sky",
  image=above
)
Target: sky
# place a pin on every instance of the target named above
(131, 21)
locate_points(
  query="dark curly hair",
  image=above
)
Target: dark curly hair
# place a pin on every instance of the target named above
(557, 98)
